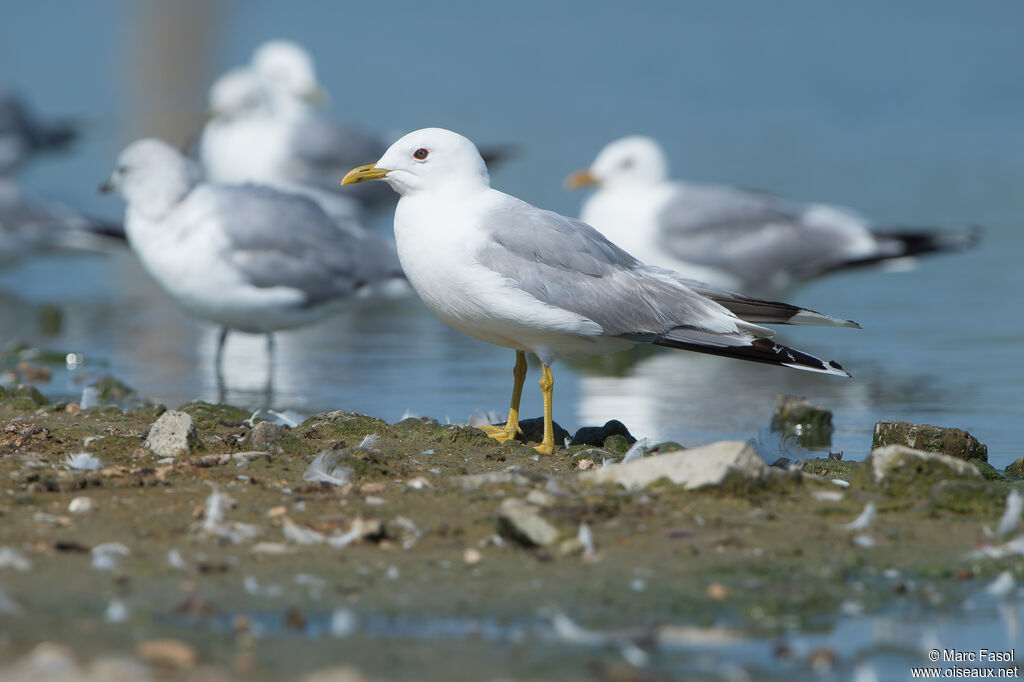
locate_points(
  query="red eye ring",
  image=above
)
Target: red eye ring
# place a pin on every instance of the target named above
(420, 153)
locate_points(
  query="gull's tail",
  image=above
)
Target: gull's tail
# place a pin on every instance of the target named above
(759, 350)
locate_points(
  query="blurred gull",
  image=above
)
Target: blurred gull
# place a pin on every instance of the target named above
(265, 128)
(29, 225)
(246, 257)
(22, 134)
(728, 236)
(511, 274)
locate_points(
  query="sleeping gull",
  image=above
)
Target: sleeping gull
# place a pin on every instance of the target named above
(31, 224)
(265, 128)
(246, 257)
(511, 274)
(22, 134)
(732, 237)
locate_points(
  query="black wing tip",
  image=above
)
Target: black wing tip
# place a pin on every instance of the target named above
(764, 351)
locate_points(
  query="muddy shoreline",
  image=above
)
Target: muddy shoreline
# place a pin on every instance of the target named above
(403, 568)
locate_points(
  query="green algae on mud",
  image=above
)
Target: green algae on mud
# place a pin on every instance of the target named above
(756, 558)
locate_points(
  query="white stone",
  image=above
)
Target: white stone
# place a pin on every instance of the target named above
(171, 435)
(699, 467)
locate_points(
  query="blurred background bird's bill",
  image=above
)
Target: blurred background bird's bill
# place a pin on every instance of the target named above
(910, 113)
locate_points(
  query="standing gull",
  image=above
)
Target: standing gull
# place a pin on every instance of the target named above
(246, 257)
(265, 128)
(731, 237)
(511, 274)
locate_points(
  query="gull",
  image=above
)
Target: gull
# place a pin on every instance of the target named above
(511, 274)
(265, 128)
(22, 134)
(732, 237)
(30, 225)
(246, 257)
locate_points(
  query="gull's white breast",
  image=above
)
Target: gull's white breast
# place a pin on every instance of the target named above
(438, 240)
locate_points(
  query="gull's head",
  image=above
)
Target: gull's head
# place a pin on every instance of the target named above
(427, 159)
(287, 69)
(236, 92)
(152, 176)
(634, 160)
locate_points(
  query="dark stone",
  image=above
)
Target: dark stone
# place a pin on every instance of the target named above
(596, 435)
(109, 390)
(533, 431)
(809, 424)
(948, 441)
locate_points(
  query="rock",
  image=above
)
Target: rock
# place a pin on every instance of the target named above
(266, 436)
(796, 417)
(905, 472)
(708, 465)
(533, 431)
(337, 674)
(596, 435)
(953, 442)
(27, 396)
(171, 653)
(1016, 470)
(80, 505)
(511, 476)
(47, 661)
(172, 434)
(616, 444)
(111, 391)
(968, 497)
(519, 521)
(208, 416)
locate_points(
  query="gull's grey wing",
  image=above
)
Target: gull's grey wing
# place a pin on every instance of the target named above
(280, 239)
(761, 239)
(568, 264)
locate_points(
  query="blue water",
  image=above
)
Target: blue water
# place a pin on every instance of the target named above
(909, 112)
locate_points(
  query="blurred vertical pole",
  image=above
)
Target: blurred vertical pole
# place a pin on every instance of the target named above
(169, 57)
(167, 60)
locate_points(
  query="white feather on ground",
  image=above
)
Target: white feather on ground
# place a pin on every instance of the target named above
(83, 461)
(325, 469)
(863, 521)
(1011, 515)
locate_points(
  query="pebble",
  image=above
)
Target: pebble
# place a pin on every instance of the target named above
(80, 505)
(172, 653)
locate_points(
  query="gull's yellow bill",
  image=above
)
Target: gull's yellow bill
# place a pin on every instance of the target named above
(364, 173)
(579, 179)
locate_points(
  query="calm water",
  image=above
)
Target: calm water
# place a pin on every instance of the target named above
(911, 113)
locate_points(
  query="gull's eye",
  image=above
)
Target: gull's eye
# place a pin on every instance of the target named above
(420, 154)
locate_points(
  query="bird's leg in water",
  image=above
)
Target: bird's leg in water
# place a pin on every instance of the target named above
(511, 428)
(268, 390)
(547, 384)
(219, 364)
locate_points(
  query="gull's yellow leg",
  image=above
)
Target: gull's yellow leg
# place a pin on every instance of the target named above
(547, 384)
(511, 428)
